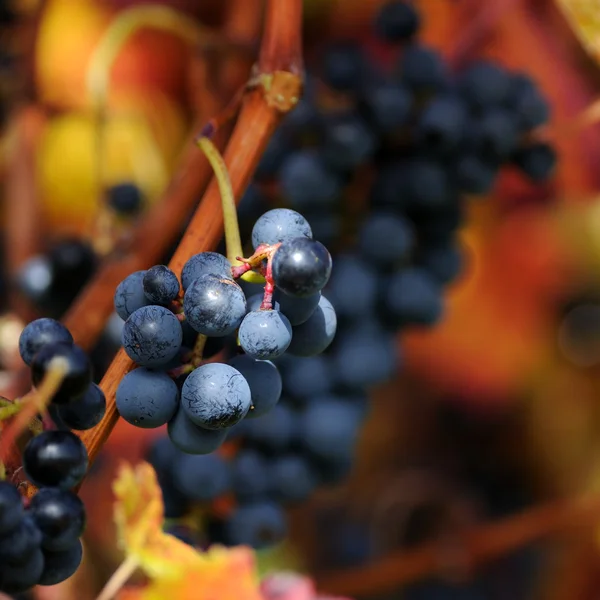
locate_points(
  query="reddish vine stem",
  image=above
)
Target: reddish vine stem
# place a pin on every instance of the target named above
(470, 550)
(261, 112)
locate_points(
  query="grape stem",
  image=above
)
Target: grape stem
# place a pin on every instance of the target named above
(267, 303)
(119, 578)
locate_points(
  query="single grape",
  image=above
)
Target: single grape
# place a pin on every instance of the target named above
(55, 459)
(301, 267)
(78, 374)
(191, 439)
(425, 185)
(441, 126)
(160, 284)
(34, 279)
(264, 381)
(202, 478)
(279, 225)
(205, 263)
(152, 336)
(443, 262)
(214, 306)
(388, 107)
(474, 175)
(413, 297)
(484, 85)
(397, 21)
(274, 431)
(385, 240)
(147, 399)
(73, 263)
(20, 578)
(258, 525)
(306, 182)
(60, 516)
(297, 310)
(265, 334)
(250, 475)
(11, 507)
(59, 566)
(315, 335)
(125, 198)
(292, 478)
(422, 69)
(536, 160)
(530, 106)
(129, 295)
(343, 66)
(330, 429)
(86, 412)
(215, 396)
(347, 141)
(17, 545)
(39, 333)
(305, 378)
(494, 136)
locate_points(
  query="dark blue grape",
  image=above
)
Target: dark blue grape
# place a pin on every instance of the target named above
(474, 175)
(305, 378)
(60, 516)
(485, 85)
(315, 335)
(412, 297)
(307, 183)
(86, 412)
(202, 477)
(152, 336)
(191, 439)
(347, 141)
(73, 263)
(422, 69)
(216, 396)
(537, 161)
(274, 431)
(364, 357)
(353, 287)
(34, 279)
(160, 284)
(343, 66)
(441, 126)
(530, 106)
(214, 306)
(59, 566)
(425, 186)
(17, 545)
(125, 198)
(129, 295)
(388, 107)
(279, 147)
(11, 507)
(264, 381)
(297, 310)
(494, 136)
(77, 377)
(55, 459)
(301, 267)
(250, 475)
(205, 263)
(265, 334)
(330, 429)
(39, 333)
(389, 187)
(279, 225)
(147, 399)
(292, 478)
(385, 240)
(17, 579)
(397, 21)
(443, 262)
(259, 525)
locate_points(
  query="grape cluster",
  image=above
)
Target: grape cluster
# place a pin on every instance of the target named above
(39, 544)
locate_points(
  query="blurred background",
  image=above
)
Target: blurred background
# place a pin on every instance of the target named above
(476, 474)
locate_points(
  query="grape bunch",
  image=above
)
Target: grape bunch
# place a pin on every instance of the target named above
(39, 543)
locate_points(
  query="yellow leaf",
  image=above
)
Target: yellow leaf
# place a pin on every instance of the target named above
(139, 518)
(584, 18)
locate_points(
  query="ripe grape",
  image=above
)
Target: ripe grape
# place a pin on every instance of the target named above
(305, 378)
(129, 295)
(443, 262)
(192, 439)
(19, 578)
(279, 225)
(274, 431)
(152, 336)
(86, 412)
(484, 85)
(297, 310)
(19, 543)
(205, 263)
(258, 524)
(215, 396)
(264, 381)
(55, 459)
(495, 135)
(11, 507)
(250, 475)
(399, 241)
(343, 66)
(78, 374)
(347, 141)
(147, 399)
(265, 334)
(202, 477)
(536, 160)
(397, 21)
(39, 333)
(293, 478)
(474, 175)
(125, 198)
(388, 107)
(160, 284)
(301, 267)
(59, 566)
(422, 69)
(441, 126)
(60, 516)
(214, 306)
(317, 333)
